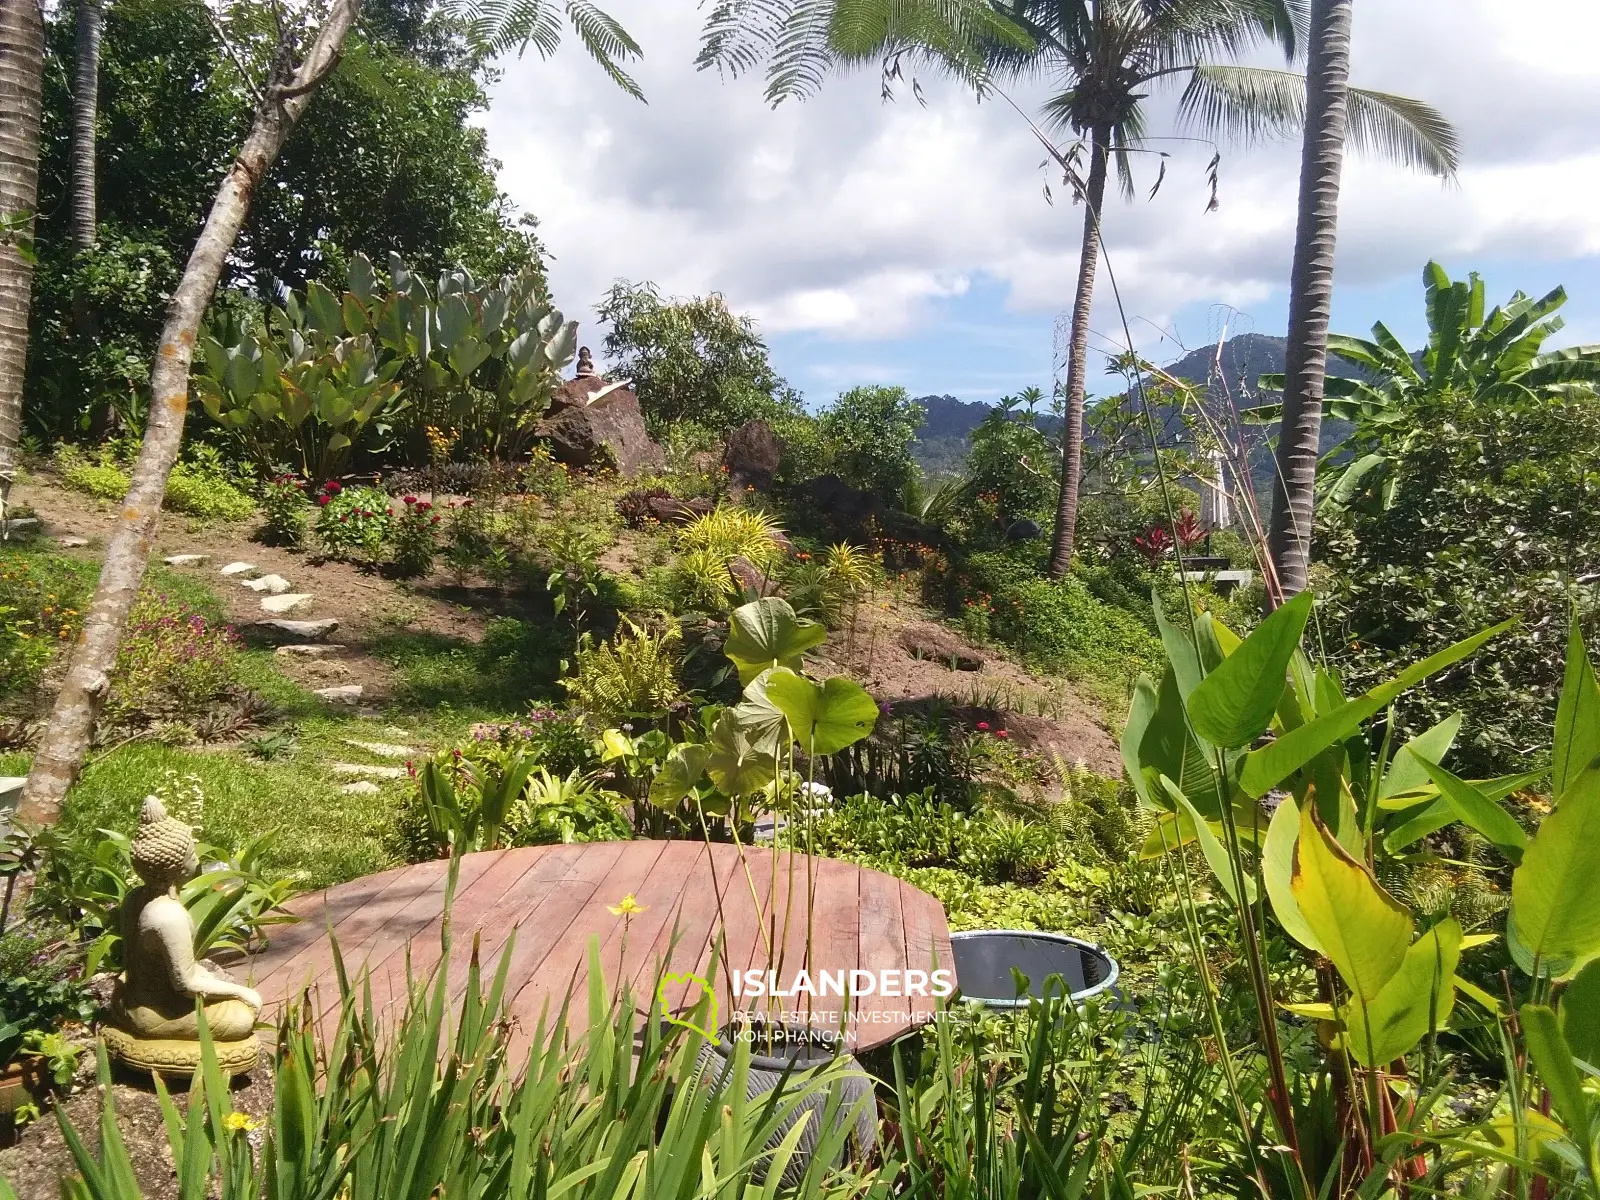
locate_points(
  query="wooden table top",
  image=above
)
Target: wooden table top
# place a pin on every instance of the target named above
(557, 899)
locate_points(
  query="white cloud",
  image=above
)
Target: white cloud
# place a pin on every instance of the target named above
(852, 219)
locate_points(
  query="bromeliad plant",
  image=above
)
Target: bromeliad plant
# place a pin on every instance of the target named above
(1233, 722)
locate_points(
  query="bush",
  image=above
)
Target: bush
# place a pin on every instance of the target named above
(173, 663)
(354, 523)
(285, 512)
(633, 675)
(1061, 626)
(40, 611)
(411, 537)
(201, 488)
(103, 478)
(867, 434)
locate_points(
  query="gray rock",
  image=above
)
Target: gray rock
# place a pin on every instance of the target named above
(347, 693)
(304, 650)
(282, 605)
(752, 456)
(367, 769)
(297, 631)
(188, 560)
(72, 542)
(361, 787)
(238, 568)
(384, 749)
(10, 790)
(20, 527)
(1024, 530)
(273, 585)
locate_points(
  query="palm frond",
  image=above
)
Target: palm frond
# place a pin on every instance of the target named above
(1176, 35)
(494, 27)
(1405, 131)
(607, 42)
(1247, 104)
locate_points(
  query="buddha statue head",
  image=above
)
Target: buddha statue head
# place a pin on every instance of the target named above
(585, 366)
(164, 852)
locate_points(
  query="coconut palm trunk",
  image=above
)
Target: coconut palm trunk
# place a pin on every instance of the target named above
(85, 110)
(66, 738)
(21, 103)
(1094, 194)
(1310, 296)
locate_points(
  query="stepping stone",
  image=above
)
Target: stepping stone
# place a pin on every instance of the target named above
(365, 769)
(72, 542)
(237, 568)
(273, 585)
(349, 693)
(187, 560)
(384, 749)
(282, 605)
(303, 631)
(304, 650)
(20, 526)
(361, 787)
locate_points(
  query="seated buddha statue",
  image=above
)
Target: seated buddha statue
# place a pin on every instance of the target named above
(154, 1023)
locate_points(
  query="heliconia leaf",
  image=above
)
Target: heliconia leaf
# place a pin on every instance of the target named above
(1216, 854)
(1580, 1014)
(1170, 748)
(1555, 892)
(1479, 812)
(1406, 772)
(360, 278)
(1277, 873)
(1141, 708)
(1362, 929)
(1553, 1057)
(825, 717)
(1417, 999)
(1235, 702)
(1269, 766)
(322, 310)
(1577, 740)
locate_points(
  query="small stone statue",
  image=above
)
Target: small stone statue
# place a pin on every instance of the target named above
(153, 1024)
(585, 366)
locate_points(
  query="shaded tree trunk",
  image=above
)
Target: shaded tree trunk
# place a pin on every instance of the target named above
(67, 737)
(1310, 297)
(21, 103)
(1078, 356)
(85, 110)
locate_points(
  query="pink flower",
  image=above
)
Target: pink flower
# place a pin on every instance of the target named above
(1001, 733)
(984, 726)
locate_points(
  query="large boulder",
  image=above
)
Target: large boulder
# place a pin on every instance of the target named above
(751, 456)
(607, 432)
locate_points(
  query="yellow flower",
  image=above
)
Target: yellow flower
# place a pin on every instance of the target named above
(238, 1122)
(627, 908)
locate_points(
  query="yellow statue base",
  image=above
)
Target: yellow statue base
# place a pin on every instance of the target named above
(178, 1056)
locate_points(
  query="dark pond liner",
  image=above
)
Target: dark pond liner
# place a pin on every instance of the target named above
(984, 959)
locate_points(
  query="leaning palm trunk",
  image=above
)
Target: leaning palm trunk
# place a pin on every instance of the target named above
(1310, 297)
(66, 739)
(21, 103)
(85, 110)
(1078, 356)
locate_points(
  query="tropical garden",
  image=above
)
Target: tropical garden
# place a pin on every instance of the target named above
(323, 529)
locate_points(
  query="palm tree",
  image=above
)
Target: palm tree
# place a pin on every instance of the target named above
(85, 111)
(21, 104)
(1104, 58)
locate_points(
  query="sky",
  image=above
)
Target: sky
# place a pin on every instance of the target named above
(914, 244)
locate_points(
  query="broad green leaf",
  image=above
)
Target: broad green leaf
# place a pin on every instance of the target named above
(760, 720)
(1170, 748)
(1553, 1057)
(766, 633)
(1360, 927)
(1479, 812)
(1141, 708)
(734, 766)
(826, 717)
(1580, 1014)
(322, 310)
(678, 775)
(1406, 772)
(1234, 704)
(1277, 872)
(615, 744)
(1419, 825)
(1267, 767)
(1216, 854)
(1555, 892)
(1416, 999)
(1577, 741)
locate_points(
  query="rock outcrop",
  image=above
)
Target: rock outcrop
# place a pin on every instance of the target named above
(752, 455)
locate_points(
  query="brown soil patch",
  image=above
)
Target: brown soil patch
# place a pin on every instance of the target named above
(1045, 715)
(365, 604)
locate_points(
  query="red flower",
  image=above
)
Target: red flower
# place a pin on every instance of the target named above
(983, 725)
(408, 499)
(333, 487)
(323, 500)
(433, 520)
(1001, 733)
(466, 503)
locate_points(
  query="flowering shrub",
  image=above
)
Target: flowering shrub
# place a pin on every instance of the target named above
(38, 613)
(353, 525)
(173, 663)
(285, 511)
(411, 537)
